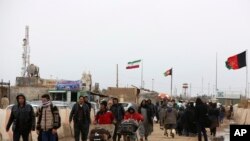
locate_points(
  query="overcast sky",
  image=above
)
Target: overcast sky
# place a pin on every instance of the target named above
(68, 37)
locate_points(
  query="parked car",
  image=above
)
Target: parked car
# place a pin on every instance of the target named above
(94, 106)
(126, 105)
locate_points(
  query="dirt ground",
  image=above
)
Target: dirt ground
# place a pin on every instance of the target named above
(157, 135)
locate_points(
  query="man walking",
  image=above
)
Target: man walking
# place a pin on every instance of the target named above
(200, 118)
(48, 120)
(86, 101)
(118, 112)
(23, 118)
(81, 117)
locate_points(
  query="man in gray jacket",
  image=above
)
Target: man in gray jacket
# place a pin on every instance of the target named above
(170, 120)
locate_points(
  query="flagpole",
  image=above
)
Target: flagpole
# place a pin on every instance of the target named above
(171, 80)
(216, 76)
(141, 74)
(117, 76)
(246, 75)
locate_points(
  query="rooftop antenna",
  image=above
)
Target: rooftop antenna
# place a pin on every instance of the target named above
(26, 53)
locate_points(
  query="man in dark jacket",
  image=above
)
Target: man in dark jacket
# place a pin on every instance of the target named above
(152, 107)
(81, 117)
(213, 114)
(190, 118)
(118, 112)
(200, 118)
(23, 118)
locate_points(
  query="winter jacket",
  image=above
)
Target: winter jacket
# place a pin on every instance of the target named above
(136, 116)
(171, 116)
(104, 117)
(214, 117)
(118, 111)
(23, 118)
(56, 123)
(201, 112)
(74, 114)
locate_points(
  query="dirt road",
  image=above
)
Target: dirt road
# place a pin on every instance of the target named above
(157, 135)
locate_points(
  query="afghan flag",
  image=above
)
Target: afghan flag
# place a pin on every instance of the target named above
(168, 72)
(133, 64)
(237, 61)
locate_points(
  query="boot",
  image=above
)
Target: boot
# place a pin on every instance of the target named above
(165, 132)
(173, 133)
(168, 132)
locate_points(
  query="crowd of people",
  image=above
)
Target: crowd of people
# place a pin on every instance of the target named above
(191, 118)
(184, 119)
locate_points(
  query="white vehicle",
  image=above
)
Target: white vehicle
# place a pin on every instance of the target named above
(126, 105)
(95, 106)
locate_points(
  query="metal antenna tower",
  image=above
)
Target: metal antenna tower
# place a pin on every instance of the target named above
(26, 53)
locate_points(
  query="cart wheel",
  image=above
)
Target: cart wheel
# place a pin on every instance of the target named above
(127, 138)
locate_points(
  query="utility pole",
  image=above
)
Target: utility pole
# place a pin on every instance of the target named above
(208, 90)
(202, 86)
(216, 77)
(117, 76)
(190, 89)
(152, 84)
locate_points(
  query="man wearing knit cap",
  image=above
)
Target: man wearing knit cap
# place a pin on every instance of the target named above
(22, 118)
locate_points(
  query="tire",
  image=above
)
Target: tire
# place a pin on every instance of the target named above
(127, 138)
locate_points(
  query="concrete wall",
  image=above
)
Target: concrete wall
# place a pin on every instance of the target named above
(31, 93)
(226, 101)
(35, 82)
(65, 131)
(153, 96)
(4, 91)
(124, 94)
(242, 116)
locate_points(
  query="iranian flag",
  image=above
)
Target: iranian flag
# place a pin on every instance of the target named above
(237, 61)
(134, 64)
(168, 72)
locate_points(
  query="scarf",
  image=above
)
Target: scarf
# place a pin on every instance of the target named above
(46, 104)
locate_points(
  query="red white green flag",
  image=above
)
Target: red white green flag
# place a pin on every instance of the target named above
(237, 61)
(133, 64)
(168, 72)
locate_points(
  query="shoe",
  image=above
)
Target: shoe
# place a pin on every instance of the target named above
(172, 135)
(166, 133)
(141, 139)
